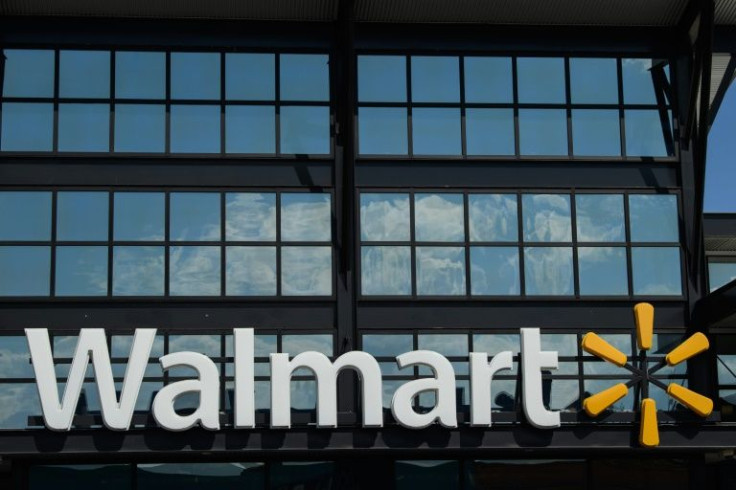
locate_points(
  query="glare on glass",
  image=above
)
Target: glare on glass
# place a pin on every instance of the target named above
(489, 131)
(305, 130)
(28, 73)
(27, 127)
(140, 128)
(140, 75)
(653, 218)
(250, 216)
(250, 271)
(596, 132)
(493, 218)
(194, 216)
(195, 76)
(25, 271)
(435, 79)
(387, 345)
(385, 271)
(306, 217)
(250, 76)
(84, 74)
(646, 135)
(384, 217)
(82, 216)
(656, 271)
(84, 127)
(305, 77)
(602, 271)
(488, 80)
(25, 216)
(436, 131)
(381, 78)
(720, 273)
(546, 217)
(194, 271)
(639, 75)
(81, 271)
(195, 129)
(439, 217)
(440, 271)
(250, 129)
(541, 80)
(543, 132)
(139, 216)
(382, 131)
(548, 271)
(306, 271)
(138, 271)
(494, 271)
(600, 217)
(593, 81)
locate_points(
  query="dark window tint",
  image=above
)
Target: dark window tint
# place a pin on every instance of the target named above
(85, 477)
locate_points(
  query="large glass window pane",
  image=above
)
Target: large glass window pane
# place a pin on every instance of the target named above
(385, 271)
(82, 216)
(720, 273)
(436, 131)
(81, 271)
(543, 132)
(548, 271)
(195, 129)
(305, 130)
(302, 475)
(639, 79)
(541, 80)
(600, 217)
(602, 271)
(194, 271)
(306, 217)
(251, 271)
(25, 216)
(546, 217)
(84, 127)
(140, 75)
(28, 73)
(653, 218)
(306, 271)
(305, 77)
(196, 476)
(427, 475)
(195, 76)
(488, 80)
(25, 271)
(138, 271)
(593, 81)
(489, 131)
(84, 74)
(656, 271)
(140, 128)
(382, 78)
(195, 216)
(646, 135)
(538, 474)
(435, 79)
(250, 76)
(440, 271)
(493, 218)
(439, 217)
(251, 216)
(494, 271)
(85, 477)
(596, 132)
(27, 127)
(139, 216)
(250, 129)
(384, 217)
(382, 130)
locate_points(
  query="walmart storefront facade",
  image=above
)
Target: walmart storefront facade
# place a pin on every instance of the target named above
(363, 245)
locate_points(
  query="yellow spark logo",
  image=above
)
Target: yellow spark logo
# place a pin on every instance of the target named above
(694, 345)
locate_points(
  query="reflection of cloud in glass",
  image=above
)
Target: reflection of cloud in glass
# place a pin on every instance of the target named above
(493, 217)
(548, 270)
(564, 394)
(250, 216)
(14, 358)
(204, 344)
(385, 271)
(546, 217)
(599, 217)
(305, 217)
(81, 271)
(138, 271)
(18, 402)
(494, 270)
(251, 271)
(194, 271)
(387, 345)
(306, 271)
(294, 344)
(653, 218)
(602, 271)
(439, 217)
(445, 344)
(139, 216)
(303, 395)
(496, 343)
(121, 345)
(384, 217)
(656, 271)
(195, 216)
(564, 344)
(440, 271)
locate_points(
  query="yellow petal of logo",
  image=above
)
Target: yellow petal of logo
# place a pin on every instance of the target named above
(649, 432)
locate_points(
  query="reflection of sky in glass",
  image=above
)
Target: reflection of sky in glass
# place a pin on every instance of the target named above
(593, 365)
(531, 72)
(208, 345)
(140, 128)
(599, 217)
(602, 271)
(494, 270)
(250, 271)
(439, 217)
(84, 127)
(489, 131)
(82, 215)
(15, 359)
(653, 218)
(195, 216)
(387, 345)
(384, 217)
(27, 127)
(195, 75)
(726, 369)
(543, 131)
(564, 395)
(140, 75)
(440, 271)
(251, 216)
(546, 217)
(194, 271)
(25, 215)
(18, 401)
(665, 402)
(306, 217)
(28, 73)
(250, 129)
(548, 271)
(81, 271)
(435, 79)
(496, 343)
(436, 131)
(24, 271)
(382, 130)
(596, 132)
(138, 271)
(656, 271)
(306, 271)
(566, 344)
(295, 344)
(445, 344)
(121, 345)
(139, 216)
(305, 130)
(488, 80)
(305, 77)
(625, 404)
(720, 274)
(638, 82)
(250, 76)
(645, 134)
(385, 270)
(593, 81)
(382, 78)
(84, 74)
(662, 344)
(195, 128)
(493, 218)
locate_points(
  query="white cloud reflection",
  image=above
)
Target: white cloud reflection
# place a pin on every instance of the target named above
(493, 217)
(306, 271)
(138, 271)
(439, 217)
(440, 271)
(548, 270)
(385, 271)
(195, 271)
(251, 271)
(384, 217)
(305, 217)
(599, 217)
(494, 270)
(250, 216)
(18, 401)
(547, 217)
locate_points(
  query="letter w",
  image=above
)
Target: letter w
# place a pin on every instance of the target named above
(91, 343)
